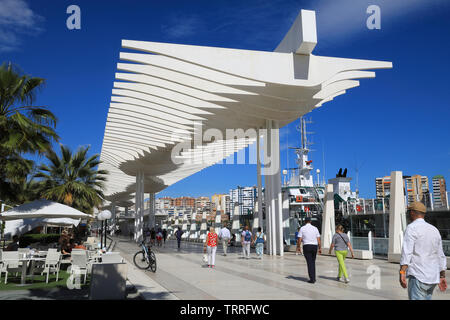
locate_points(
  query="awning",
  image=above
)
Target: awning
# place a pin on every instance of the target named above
(43, 209)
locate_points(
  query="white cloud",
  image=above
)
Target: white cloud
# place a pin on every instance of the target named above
(182, 26)
(16, 19)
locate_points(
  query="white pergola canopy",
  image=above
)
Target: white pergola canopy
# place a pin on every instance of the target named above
(165, 93)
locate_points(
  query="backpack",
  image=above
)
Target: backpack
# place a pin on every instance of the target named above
(260, 239)
(248, 237)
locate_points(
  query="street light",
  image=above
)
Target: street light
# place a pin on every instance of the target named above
(101, 218)
(105, 215)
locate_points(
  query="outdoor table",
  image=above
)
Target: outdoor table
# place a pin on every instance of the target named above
(24, 268)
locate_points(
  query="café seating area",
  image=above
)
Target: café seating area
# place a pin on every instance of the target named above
(28, 262)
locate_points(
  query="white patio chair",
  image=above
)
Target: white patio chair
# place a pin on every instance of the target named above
(10, 263)
(112, 257)
(91, 240)
(52, 264)
(23, 250)
(80, 264)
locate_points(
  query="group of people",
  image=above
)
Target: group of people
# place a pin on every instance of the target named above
(67, 242)
(224, 235)
(422, 264)
(309, 236)
(156, 236)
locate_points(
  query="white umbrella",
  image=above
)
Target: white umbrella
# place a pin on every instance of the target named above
(203, 227)
(193, 230)
(235, 225)
(43, 209)
(21, 226)
(218, 222)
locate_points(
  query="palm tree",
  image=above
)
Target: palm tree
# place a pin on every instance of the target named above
(23, 128)
(72, 179)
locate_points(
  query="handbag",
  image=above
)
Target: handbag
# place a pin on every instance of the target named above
(343, 239)
(205, 258)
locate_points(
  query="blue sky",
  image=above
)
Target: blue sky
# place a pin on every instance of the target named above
(397, 121)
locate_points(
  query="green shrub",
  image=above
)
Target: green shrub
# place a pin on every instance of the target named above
(27, 239)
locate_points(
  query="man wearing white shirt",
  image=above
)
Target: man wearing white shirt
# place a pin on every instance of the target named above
(225, 236)
(310, 237)
(423, 260)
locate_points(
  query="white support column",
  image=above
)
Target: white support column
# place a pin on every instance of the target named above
(268, 188)
(114, 218)
(259, 180)
(152, 210)
(370, 239)
(396, 211)
(328, 223)
(139, 207)
(277, 188)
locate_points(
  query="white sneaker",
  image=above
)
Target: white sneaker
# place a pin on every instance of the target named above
(338, 278)
(346, 280)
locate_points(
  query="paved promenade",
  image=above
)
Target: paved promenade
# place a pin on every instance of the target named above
(181, 274)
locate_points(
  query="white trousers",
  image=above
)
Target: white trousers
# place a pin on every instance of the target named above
(225, 244)
(246, 250)
(211, 255)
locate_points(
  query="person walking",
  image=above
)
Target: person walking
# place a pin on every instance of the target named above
(259, 240)
(164, 232)
(310, 237)
(423, 260)
(153, 236)
(210, 247)
(178, 234)
(246, 239)
(225, 236)
(341, 244)
(159, 237)
(296, 237)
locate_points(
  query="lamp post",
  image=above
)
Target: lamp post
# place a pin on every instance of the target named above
(106, 214)
(100, 217)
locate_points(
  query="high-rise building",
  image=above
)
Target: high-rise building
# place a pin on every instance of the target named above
(164, 203)
(202, 203)
(184, 202)
(417, 188)
(439, 192)
(221, 202)
(245, 197)
(383, 187)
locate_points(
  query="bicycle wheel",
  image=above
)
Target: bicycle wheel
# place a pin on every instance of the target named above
(140, 261)
(152, 261)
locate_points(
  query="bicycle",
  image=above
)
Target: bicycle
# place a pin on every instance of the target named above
(145, 259)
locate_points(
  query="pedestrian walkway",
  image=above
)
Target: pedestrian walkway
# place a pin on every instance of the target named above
(182, 275)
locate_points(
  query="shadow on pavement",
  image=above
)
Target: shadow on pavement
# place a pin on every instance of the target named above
(298, 278)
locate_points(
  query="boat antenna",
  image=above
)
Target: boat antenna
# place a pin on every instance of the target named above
(323, 162)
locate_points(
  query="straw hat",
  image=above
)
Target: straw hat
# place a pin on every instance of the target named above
(417, 207)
